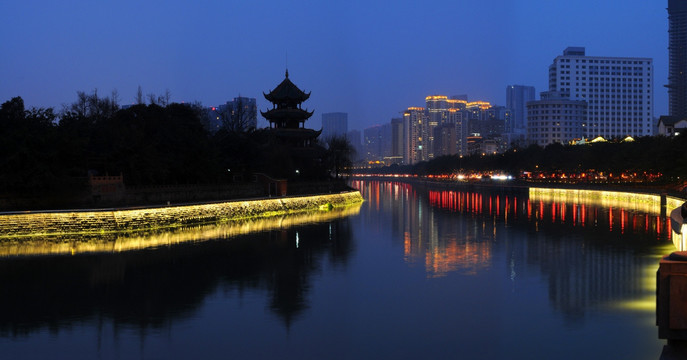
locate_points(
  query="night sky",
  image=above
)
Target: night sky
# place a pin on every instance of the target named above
(369, 58)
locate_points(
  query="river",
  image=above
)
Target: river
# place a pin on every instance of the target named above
(412, 273)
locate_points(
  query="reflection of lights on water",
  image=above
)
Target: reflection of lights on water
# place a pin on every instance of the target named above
(64, 245)
(645, 302)
(619, 211)
(297, 239)
(512, 272)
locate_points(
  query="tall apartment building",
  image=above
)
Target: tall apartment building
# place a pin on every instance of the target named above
(444, 140)
(555, 119)
(459, 118)
(334, 124)
(241, 110)
(438, 108)
(677, 58)
(372, 143)
(353, 137)
(446, 124)
(397, 141)
(415, 123)
(517, 97)
(618, 91)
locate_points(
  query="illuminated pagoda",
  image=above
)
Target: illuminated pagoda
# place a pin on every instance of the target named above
(287, 118)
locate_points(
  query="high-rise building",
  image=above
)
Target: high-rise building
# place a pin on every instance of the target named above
(440, 111)
(353, 137)
(372, 143)
(555, 119)
(385, 141)
(415, 123)
(517, 97)
(677, 58)
(240, 113)
(459, 119)
(618, 90)
(397, 141)
(334, 124)
(444, 140)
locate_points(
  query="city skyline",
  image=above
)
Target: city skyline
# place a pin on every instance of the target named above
(355, 57)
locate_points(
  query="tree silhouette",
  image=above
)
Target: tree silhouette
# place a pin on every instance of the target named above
(338, 155)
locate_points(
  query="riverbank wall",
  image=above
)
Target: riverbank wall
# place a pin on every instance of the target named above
(102, 221)
(659, 202)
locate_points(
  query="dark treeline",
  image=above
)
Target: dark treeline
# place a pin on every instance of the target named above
(667, 156)
(160, 143)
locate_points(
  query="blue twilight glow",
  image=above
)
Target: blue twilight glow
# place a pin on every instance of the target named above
(371, 59)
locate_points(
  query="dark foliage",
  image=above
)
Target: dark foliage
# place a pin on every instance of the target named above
(667, 156)
(44, 152)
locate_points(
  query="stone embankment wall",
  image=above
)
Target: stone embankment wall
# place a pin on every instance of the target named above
(119, 220)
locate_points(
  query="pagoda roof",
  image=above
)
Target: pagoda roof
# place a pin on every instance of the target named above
(286, 91)
(287, 114)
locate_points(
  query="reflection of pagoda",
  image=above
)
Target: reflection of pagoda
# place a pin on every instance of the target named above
(286, 117)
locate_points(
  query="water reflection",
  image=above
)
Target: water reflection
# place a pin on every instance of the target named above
(118, 242)
(162, 284)
(590, 254)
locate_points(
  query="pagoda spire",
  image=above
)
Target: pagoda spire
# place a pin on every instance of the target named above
(287, 73)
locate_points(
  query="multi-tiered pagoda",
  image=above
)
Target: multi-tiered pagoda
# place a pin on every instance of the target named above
(287, 118)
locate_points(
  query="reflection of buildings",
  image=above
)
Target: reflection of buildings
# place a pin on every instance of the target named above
(589, 253)
(442, 246)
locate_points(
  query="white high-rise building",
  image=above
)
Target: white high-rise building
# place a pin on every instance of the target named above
(618, 90)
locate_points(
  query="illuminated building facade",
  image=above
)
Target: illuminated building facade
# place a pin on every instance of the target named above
(446, 124)
(441, 113)
(444, 140)
(677, 56)
(415, 123)
(372, 143)
(618, 91)
(459, 119)
(555, 119)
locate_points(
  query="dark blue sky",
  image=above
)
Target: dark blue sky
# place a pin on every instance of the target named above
(369, 58)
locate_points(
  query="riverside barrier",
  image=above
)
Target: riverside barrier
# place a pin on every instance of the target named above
(102, 221)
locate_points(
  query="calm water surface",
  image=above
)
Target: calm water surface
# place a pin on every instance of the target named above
(413, 273)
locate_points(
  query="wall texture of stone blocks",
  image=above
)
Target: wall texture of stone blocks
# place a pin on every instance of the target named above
(119, 220)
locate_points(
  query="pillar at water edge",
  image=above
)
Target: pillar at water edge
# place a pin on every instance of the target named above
(671, 304)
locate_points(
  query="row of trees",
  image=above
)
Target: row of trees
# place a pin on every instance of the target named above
(658, 155)
(159, 143)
